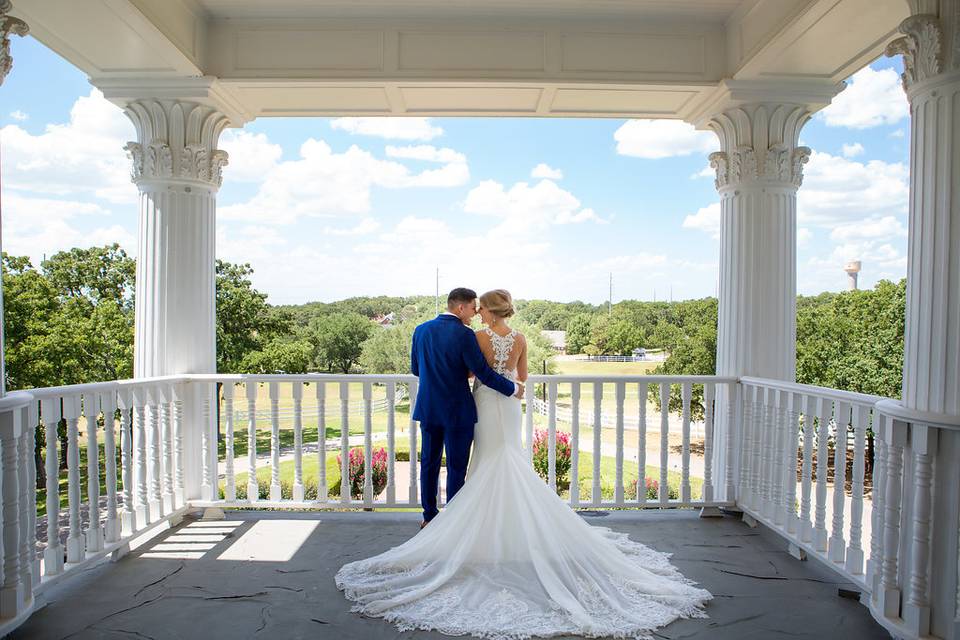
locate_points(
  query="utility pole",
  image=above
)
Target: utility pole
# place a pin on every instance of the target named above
(610, 300)
(671, 294)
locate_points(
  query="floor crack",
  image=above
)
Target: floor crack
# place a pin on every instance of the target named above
(159, 580)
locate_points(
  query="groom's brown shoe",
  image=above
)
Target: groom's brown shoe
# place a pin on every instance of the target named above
(423, 524)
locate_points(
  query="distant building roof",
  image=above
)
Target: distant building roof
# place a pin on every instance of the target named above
(557, 338)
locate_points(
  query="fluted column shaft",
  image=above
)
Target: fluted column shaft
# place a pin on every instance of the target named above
(177, 169)
(929, 567)
(759, 169)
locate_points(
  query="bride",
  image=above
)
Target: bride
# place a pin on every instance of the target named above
(508, 558)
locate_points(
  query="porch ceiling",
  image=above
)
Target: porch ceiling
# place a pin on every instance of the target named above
(606, 58)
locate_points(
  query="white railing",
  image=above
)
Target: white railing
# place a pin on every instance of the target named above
(168, 430)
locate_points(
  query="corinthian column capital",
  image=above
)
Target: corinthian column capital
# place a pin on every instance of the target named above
(176, 141)
(759, 145)
(930, 44)
(8, 25)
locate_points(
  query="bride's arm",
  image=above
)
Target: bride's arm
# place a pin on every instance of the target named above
(522, 362)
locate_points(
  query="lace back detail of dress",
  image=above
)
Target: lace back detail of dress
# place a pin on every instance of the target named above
(502, 348)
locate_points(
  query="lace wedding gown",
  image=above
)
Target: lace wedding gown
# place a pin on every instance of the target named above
(508, 559)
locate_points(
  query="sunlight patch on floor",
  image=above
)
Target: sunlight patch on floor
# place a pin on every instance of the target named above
(192, 541)
(270, 541)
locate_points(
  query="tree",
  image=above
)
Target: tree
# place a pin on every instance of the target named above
(245, 322)
(338, 340)
(578, 333)
(279, 356)
(388, 350)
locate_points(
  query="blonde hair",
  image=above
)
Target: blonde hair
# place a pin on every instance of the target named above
(498, 302)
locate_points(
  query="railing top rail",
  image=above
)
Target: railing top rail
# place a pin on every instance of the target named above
(102, 387)
(15, 400)
(895, 409)
(539, 378)
(303, 377)
(809, 389)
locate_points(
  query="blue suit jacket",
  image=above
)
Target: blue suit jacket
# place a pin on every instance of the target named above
(444, 353)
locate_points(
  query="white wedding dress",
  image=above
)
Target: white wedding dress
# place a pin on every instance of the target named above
(508, 559)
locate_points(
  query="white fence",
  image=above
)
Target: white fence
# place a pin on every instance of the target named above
(775, 436)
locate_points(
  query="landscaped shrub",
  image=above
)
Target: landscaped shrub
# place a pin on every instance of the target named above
(541, 453)
(356, 470)
(653, 489)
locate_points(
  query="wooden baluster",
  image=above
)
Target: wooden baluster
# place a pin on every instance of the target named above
(837, 547)
(895, 435)
(298, 490)
(759, 414)
(71, 412)
(128, 518)
(748, 488)
(368, 444)
(916, 609)
(53, 554)
(275, 491)
(621, 396)
(777, 463)
(664, 440)
(169, 495)
(229, 452)
(412, 496)
(877, 511)
(686, 391)
(179, 494)
(792, 522)
(208, 439)
(854, 562)
(391, 444)
(345, 442)
(824, 411)
(27, 514)
(94, 533)
(642, 390)
(597, 496)
(575, 444)
(13, 594)
(108, 403)
(709, 395)
(154, 410)
(809, 404)
(769, 433)
(552, 435)
(733, 400)
(31, 508)
(253, 483)
(323, 491)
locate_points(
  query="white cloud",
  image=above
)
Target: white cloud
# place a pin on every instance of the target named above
(837, 190)
(427, 153)
(81, 158)
(852, 150)
(706, 219)
(898, 133)
(525, 207)
(871, 98)
(706, 172)
(18, 115)
(323, 182)
(252, 155)
(543, 170)
(393, 128)
(885, 228)
(804, 236)
(662, 139)
(362, 228)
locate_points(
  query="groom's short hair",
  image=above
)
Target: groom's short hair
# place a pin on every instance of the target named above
(461, 295)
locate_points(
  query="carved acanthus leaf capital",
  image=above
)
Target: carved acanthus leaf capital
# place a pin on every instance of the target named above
(8, 25)
(176, 140)
(921, 47)
(778, 164)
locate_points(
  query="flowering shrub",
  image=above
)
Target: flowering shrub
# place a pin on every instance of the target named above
(541, 453)
(356, 468)
(653, 490)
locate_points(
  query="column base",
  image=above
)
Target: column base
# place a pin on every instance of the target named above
(53, 560)
(12, 600)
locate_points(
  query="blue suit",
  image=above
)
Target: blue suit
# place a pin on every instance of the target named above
(443, 355)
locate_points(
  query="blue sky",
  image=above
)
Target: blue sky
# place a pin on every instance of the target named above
(328, 208)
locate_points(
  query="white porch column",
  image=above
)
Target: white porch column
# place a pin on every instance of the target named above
(931, 371)
(758, 170)
(177, 168)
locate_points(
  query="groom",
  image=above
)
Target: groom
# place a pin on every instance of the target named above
(444, 354)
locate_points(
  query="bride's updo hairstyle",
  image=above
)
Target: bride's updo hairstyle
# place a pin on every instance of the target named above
(498, 302)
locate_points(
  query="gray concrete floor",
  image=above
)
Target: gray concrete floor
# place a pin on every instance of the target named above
(270, 574)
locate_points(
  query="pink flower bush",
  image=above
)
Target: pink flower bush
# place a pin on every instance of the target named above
(355, 464)
(541, 456)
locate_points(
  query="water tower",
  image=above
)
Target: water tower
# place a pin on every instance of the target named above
(852, 269)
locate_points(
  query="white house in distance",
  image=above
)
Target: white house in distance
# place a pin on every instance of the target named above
(753, 71)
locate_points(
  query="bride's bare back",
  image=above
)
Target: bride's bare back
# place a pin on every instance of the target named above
(516, 358)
